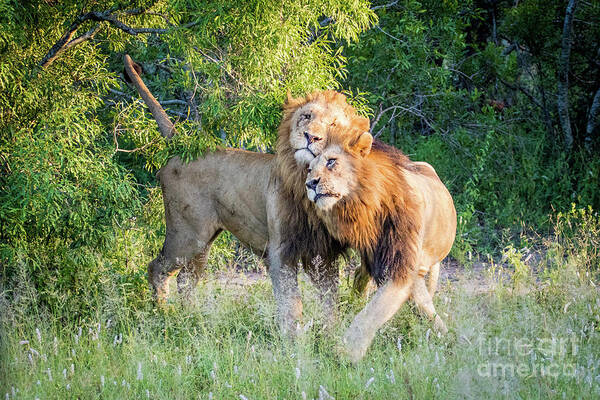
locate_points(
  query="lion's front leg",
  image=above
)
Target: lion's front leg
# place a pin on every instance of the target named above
(324, 274)
(284, 278)
(384, 304)
(283, 272)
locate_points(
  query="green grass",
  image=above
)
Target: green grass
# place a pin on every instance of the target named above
(227, 346)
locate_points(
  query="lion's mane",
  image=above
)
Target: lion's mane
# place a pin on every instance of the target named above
(304, 229)
(379, 218)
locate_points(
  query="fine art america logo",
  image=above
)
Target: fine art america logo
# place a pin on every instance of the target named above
(527, 357)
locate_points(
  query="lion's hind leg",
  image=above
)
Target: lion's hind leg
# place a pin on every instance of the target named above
(434, 275)
(423, 300)
(187, 242)
(160, 270)
(362, 280)
(190, 273)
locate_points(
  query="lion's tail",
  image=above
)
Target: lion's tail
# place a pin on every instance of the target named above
(165, 126)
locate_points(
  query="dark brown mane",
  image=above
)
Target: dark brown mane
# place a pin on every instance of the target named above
(304, 228)
(379, 218)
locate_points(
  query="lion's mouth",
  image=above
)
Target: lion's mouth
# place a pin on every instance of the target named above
(323, 195)
(307, 149)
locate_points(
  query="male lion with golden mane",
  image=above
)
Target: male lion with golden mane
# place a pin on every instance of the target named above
(396, 212)
(257, 197)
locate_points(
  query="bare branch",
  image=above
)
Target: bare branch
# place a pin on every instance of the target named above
(526, 92)
(107, 16)
(163, 103)
(379, 132)
(379, 115)
(165, 126)
(411, 110)
(59, 46)
(82, 38)
(66, 41)
(393, 3)
(174, 101)
(117, 92)
(387, 34)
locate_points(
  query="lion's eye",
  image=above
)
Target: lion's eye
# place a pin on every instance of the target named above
(304, 116)
(331, 163)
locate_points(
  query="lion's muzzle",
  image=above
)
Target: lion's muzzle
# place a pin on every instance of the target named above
(312, 184)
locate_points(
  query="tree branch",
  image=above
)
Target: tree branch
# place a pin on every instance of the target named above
(107, 16)
(162, 103)
(387, 34)
(120, 150)
(165, 126)
(174, 101)
(526, 92)
(66, 41)
(411, 110)
(393, 3)
(60, 45)
(380, 114)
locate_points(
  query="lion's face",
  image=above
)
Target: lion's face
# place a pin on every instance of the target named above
(308, 129)
(331, 177)
(333, 174)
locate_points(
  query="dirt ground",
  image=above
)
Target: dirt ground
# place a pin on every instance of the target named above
(472, 278)
(476, 278)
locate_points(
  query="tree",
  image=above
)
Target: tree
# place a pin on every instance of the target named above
(77, 147)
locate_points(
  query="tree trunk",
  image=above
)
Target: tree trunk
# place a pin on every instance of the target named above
(563, 75)
(593, 118)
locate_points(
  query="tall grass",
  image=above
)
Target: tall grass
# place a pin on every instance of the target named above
(533, 338)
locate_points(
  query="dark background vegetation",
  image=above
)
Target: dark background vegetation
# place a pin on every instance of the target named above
(501, 97)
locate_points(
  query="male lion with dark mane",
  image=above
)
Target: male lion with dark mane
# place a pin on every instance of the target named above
(396, 212)
(260, 198)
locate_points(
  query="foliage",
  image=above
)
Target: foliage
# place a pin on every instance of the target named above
(466, 86)
(578, 233)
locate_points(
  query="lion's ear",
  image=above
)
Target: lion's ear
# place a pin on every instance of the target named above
(363, 144)
(289, 97)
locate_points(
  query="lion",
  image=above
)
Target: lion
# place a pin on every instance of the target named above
(302, 135)
(257, 197)
(396, 212)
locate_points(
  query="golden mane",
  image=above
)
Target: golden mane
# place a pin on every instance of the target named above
(305, 229)
(380, 217)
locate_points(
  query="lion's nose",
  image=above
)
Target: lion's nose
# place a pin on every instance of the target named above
(311, 138)
(312, 184)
